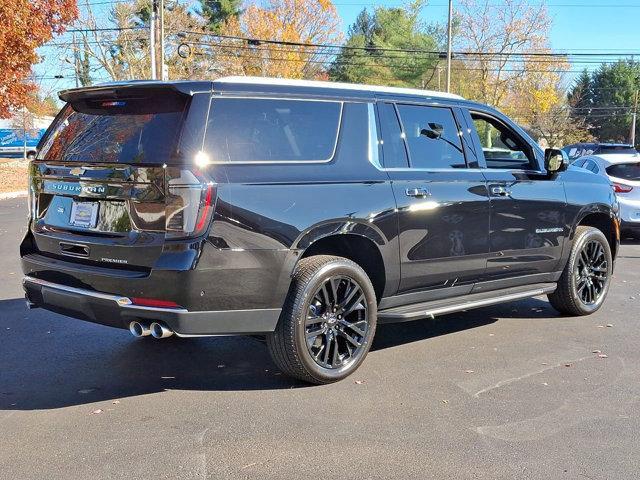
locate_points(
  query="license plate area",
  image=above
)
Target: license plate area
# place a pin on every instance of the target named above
(84, 214)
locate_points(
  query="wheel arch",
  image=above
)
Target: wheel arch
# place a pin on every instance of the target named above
(358, 248)
(605, 221)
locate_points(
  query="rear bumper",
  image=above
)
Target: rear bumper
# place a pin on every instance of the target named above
(118, 311)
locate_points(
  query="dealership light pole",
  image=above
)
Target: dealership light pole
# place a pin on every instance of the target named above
(449, 29)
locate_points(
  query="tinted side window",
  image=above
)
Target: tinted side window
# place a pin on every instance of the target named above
(265, 130)
(591, 165)
(501, 146)
(432, 136)
(393, 148)
(579, 162)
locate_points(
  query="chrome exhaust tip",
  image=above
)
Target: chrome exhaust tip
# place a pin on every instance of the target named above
(158, 330)
(138, 329)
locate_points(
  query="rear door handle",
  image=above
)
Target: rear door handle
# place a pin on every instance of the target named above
(500, 191)
(418, 192)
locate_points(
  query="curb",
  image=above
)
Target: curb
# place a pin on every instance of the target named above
(8, 195)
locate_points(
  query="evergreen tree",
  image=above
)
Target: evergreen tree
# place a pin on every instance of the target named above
(216, 12)
(372, 40)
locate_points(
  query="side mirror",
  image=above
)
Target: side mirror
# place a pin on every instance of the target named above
(555, 160)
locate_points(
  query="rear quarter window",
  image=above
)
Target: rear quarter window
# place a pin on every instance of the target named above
(246, 130)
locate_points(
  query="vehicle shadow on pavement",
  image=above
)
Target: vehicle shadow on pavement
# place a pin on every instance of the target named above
(51, 361)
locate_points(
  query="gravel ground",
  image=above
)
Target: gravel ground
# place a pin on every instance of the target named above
(13, 175)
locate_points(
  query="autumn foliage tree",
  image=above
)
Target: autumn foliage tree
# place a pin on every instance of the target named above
(26, 25)
(510, 65)
(295, 21)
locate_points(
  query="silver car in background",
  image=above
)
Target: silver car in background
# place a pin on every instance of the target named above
(623, 171)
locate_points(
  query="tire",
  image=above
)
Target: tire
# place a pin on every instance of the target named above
(327, 356)
(585, 280)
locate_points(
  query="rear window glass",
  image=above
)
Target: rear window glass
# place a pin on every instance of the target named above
(116, 131)
(628, 171)
(264, 130)
(616, 150)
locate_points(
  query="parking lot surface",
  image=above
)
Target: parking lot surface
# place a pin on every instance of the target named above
(506, 392)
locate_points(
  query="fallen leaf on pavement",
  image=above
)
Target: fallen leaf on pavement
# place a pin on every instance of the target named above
(359, 382)
(468, 371)
(609, 325)
(96, 412)
(603, 355)
(596, 351)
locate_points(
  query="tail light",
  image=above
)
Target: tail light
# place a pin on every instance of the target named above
(620, 188)
(188, 210)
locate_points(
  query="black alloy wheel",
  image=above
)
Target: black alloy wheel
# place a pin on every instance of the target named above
(592, 272)
(337, 322)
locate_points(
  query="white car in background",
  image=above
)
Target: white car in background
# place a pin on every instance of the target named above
(623, 171)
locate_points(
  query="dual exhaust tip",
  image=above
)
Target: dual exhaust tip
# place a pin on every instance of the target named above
(155, 329)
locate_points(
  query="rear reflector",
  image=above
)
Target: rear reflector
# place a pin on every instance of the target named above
(153, 302)
(619, 188)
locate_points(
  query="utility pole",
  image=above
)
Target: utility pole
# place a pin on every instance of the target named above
(24, 132)
(449, 31)
(76, 58)
(163, 69)
(152, 38)
(633, 122)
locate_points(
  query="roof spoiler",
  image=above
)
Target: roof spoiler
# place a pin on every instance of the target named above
(125, 89)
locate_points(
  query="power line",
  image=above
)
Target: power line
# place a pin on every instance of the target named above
(106, 29)
(257, 41)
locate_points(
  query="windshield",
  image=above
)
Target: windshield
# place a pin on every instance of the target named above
(116, 131)
(627, 171)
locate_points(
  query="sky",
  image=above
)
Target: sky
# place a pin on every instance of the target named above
(578, 25)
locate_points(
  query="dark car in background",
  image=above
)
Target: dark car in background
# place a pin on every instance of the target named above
(578, 150)
(304, 212)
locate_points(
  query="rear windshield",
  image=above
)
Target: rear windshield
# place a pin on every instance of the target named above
(265, 130)
(627, 171)
(140, 130)
(616, 150)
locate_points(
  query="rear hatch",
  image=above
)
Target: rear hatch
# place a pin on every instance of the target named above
(625, 178)
(108, 185)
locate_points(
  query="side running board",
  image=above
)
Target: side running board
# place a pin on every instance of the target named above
(416, 311)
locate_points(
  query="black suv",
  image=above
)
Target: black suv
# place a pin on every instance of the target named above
(303, 212)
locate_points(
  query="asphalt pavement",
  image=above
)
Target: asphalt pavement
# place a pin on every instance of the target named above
(507, 392)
